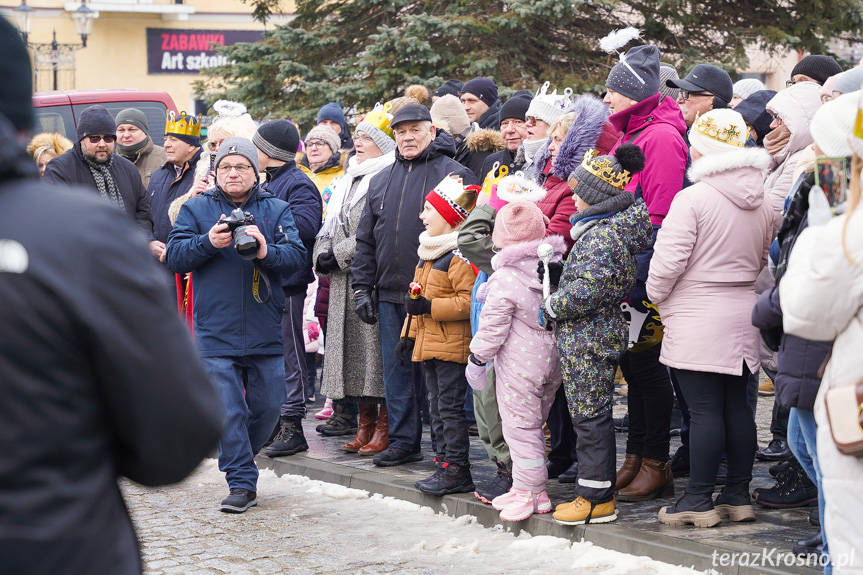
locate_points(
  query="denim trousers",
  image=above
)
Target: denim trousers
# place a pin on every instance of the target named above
(252, 388)
(402, 387)
(802, 431)
(296, 367)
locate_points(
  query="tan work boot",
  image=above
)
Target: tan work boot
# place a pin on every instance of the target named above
(581, 512)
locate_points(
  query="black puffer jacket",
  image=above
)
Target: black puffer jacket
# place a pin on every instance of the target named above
(390, 227)
(491, 118)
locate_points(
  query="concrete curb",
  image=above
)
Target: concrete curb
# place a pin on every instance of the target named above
(609, 536)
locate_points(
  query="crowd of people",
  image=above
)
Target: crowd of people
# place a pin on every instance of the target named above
(504, 263)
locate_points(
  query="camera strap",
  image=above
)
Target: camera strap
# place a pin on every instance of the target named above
(257, 274)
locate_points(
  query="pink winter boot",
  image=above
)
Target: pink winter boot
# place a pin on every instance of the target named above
(327, 411)
(523, 504)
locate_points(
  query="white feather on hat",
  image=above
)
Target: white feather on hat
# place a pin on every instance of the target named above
(617, 39)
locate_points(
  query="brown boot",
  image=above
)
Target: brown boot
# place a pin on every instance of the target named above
(368, 418)
(381, 438)
(653, 480)
(628, 471)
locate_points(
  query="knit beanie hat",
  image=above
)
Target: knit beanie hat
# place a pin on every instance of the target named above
(548, 107)
(134, 117)
(636, 76)
(832, 124)
(518, 222)
(16, 90)
(238, 147)
(718, 131)
(849, 81)
(448, 114)
(278, 139)
(95, 120)
(376, 125)
(601, 180)
(326, 134)
(515, 108)
(746, 87)
(483, 88)
(818, 67)
(452, 199)
(451, 87)
(184, 127)
(668, 72)
(517, 188)
(754, 112)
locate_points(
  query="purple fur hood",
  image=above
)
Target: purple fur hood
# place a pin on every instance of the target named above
(590, 117)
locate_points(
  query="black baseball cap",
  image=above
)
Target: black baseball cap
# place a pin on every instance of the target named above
(411, 113)
(706, 78)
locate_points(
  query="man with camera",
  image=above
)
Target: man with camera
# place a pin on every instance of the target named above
(238, 263)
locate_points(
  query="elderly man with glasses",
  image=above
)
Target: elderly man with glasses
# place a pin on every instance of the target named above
(238, 305)
(91, 163)
(705, 88)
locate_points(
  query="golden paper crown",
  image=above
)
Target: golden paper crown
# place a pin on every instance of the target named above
(184, 124)
(380, 118)
(710, 128)
(601, 167)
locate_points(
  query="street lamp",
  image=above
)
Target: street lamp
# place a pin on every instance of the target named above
(83, 18)
(24, 17)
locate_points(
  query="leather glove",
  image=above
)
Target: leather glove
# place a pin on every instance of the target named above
(404, 350)
(474, 372)
(364, 306)
(482, 292)
(555, 270)
(327, 263)
(418, 306)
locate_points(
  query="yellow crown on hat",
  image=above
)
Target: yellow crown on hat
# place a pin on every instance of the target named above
(709, 127)
(380, 118)
(184, 124)
(601, 167)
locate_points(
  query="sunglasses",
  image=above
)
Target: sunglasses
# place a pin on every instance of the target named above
(108, 138)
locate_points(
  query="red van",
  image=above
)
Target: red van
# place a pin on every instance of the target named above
(59, 111)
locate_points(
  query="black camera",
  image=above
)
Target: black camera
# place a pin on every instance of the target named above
(246, 245)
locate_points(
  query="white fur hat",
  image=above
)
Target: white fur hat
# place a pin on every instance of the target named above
(518, 188)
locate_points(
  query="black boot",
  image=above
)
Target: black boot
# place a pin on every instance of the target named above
(811, 546)
(734, 503)
(570, 475)
(501, 484)
(454, 479)
(776, 450)
(341, 423)
(793, 489)
(679, 465)
(289, 440)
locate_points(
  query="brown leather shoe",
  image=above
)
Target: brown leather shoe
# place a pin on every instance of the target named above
(628, 471)
(654, 480)
(381, 438)
(367, 420)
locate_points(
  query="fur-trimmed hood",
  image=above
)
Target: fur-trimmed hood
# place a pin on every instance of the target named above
(723, 162)
(527, 250)
(738, 175)
(590, 118)
(486, 140)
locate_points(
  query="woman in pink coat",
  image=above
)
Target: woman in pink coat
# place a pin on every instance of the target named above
(525, 358)
(712, 246)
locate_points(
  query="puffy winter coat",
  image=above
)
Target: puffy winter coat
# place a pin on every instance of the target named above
(70, 169)
(290, 184)
(228, 319)
(444, 333)
(711, 248)
(822, 299)
(491, 118)
(476, 147)
(165, 187)
(334, 168)
(389, 230)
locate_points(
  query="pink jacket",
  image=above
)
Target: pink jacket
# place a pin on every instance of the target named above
(509, 329)
(711, 248)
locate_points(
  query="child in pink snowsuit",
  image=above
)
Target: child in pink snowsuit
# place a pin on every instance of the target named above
(524, 353)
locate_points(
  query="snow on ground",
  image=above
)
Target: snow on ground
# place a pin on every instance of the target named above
(308, 526)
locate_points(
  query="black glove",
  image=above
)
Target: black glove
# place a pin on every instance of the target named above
(404, 350)
(555, 269)
(327, 263)
(364, 305)
(418, 306)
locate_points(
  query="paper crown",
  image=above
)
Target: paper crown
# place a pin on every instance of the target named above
(601, 167)
(452, 199)
(380, 117)
(710, 128)
(558, 101)
(184, 124)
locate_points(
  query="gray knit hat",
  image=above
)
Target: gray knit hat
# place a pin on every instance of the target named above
(135, 117)
(239, 147)
(602, 180)
(636, 76)
(668, 72)
(849, 81)
(326, 134)
(384, 143)
(747, 86)
(277, 139)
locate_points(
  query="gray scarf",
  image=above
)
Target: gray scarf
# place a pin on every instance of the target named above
(105, 181)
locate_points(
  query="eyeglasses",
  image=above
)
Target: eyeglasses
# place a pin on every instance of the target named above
(241, 169)
(107, 137)
(776, 119)
(686, 95)
(316, 144)
(362, 138)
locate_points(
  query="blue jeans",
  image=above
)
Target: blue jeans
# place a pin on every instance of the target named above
(401, 387)
(252, 388)
(801, 439)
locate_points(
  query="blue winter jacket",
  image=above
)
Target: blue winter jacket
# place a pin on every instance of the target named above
(165, 187)
(228, 320)
(290, 184)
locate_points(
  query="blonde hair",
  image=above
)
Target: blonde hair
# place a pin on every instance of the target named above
(563, 123)
(853, 202)
(50, 142)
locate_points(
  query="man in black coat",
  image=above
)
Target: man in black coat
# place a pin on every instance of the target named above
(386, 256)
(91, 163)
(99, 375)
